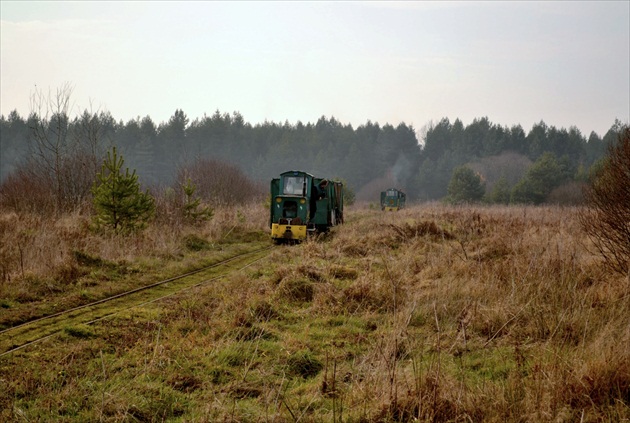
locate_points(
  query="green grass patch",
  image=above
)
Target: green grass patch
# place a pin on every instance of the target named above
(88, 260)
(80, 331)
(303, 364)
(195, 243)
(487, 364)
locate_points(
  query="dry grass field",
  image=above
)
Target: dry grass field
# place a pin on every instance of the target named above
(429, 314)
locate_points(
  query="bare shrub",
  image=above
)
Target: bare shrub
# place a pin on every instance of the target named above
(168, 207)
(31, 189)
(607, 218)
(509, 165)
(220, 183)
(568, 194)
(28, 190)
(77, 175)
(66, 153)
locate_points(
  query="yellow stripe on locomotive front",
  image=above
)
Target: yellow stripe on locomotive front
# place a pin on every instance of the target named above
(302, 204)
(392, 199)
(279, 231)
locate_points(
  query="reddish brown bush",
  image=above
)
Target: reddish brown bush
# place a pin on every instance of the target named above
(220, 183)
(569, 194)
(33, 188)
(27, 190)
(607, 218)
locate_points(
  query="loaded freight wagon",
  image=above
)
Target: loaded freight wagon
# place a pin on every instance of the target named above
(302, 204)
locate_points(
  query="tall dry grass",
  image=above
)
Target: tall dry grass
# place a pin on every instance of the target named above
(514, 290)
(43, 258)
(38, 245)
(431, 314)
(445, 314)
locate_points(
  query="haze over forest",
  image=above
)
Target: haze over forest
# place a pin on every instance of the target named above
(369, 158)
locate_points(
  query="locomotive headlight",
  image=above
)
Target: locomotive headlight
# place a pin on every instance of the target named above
(302, 201)
(278, 200)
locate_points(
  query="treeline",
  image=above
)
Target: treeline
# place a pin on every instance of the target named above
(368, 158)
(511, 165)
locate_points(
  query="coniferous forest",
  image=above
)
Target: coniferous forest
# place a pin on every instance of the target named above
(512, 164)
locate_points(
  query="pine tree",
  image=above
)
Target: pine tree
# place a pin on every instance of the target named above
(193, 210)
(119, 203)
(500, 192)
(465, 186)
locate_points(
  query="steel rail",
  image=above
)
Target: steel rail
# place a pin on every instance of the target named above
(130, 292)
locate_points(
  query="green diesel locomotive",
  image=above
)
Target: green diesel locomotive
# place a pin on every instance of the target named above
(302, 204)
(392, 199)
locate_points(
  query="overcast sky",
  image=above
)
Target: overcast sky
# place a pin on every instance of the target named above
(565, 63)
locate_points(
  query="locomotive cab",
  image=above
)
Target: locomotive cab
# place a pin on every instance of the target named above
(303, 204)
(290, 206)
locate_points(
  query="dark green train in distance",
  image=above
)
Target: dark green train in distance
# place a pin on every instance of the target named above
(392, 199)
(303, 204)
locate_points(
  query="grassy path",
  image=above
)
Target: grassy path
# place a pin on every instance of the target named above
(17, 337)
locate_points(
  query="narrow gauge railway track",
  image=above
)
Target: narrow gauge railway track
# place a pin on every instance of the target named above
(25, 334)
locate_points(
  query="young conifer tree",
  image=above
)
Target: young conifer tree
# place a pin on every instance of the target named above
(120, 205)
(193, 211)
(465, 186)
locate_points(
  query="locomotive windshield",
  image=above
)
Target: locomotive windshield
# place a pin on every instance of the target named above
(391, 193)
(294, 185)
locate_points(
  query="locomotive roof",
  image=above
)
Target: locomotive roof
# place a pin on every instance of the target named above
(295, 172)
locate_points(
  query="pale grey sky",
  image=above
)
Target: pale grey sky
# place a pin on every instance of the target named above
(566, 63)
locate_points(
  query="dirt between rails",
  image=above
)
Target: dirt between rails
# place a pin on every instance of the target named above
(25, 334)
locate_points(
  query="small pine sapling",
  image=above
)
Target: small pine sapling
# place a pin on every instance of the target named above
(192, 209)
(120, 205)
